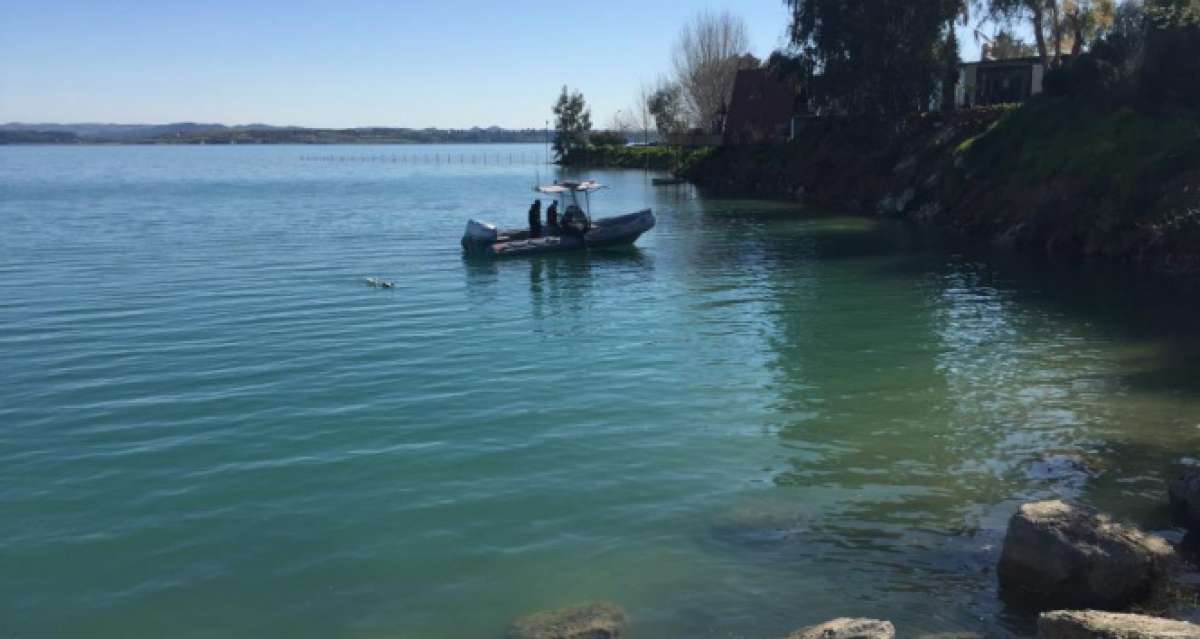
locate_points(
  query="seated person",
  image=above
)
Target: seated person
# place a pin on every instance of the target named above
(574, 222)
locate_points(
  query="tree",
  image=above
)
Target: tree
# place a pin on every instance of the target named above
(1084, 20)
(666, 107)
(1171, 57)
(879, 57)
(572, 121)
(621, 122)
(641, 117)
(1006, 46)
(951, 60)
(708, 54)
(1059, 26)
(607, 138)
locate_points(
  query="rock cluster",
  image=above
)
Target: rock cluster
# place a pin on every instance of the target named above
(1062, 555)
(846, 628)
(1091, 624)
(1184, 493)
(584, 621)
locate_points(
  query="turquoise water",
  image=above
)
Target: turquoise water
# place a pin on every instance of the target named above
(759, 418)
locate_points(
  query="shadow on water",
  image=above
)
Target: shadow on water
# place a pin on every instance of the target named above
(1144, 379)
(924, 387)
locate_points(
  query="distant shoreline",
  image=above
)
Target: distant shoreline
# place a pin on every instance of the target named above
(202, 134)
(362, 143)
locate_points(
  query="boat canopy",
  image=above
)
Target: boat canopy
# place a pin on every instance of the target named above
(559, 188)
(569, 192)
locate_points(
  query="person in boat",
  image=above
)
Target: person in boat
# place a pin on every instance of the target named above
(552, 215)
(575, 222)
(535, 219)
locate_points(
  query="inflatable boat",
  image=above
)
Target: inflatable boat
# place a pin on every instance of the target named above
(577, 231)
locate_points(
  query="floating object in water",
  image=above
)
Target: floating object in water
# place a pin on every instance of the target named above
(486, 239)
(380, 283)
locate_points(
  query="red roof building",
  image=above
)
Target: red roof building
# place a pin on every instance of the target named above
(760, 110)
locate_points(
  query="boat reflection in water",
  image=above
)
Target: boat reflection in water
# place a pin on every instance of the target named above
(560, 284)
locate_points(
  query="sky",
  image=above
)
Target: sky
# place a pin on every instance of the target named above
(402, 63)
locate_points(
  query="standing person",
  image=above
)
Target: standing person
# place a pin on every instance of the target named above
(535, 219)
(552, 215)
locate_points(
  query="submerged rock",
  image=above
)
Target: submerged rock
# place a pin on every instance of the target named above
(1067, 467)
(1061, 555)
(895, 205)
(584, 621)
(760, 523)
(1090, 624)
(846, 628)
(1184, 494)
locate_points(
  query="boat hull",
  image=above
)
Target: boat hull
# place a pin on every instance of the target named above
(607, 232)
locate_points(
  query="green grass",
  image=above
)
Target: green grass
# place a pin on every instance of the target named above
(1047, 138)
(660, 158)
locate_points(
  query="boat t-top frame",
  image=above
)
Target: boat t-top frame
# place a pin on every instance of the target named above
(568, 193)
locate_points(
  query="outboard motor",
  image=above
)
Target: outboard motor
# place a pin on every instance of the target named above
(479, 234)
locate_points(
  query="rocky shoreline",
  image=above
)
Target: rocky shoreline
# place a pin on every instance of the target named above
(1083, 574)
(1055, 176)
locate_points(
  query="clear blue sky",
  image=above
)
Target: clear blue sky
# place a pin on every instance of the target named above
(442, 63)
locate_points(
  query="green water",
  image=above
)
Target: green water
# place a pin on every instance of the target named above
(762, 417)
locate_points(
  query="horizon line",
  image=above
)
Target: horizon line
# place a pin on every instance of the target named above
(265, 124)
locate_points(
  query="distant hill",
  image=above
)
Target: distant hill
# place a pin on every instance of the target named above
(198, 133)
(110, 132)
(37, 137)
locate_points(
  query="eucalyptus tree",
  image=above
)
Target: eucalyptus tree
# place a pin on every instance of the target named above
(1060, 27)
(876, 57)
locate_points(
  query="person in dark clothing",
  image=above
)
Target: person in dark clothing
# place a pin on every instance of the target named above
(535, 219)
(552, 215)
(575, 222)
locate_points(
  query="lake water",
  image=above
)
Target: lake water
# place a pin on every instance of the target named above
(760, 418)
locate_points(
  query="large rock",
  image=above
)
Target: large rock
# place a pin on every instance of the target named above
(848, 629)
(584, 621)
(1090, 624)
(1184, 493)
(1061, 555)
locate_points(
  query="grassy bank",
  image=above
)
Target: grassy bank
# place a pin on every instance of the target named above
(1058, 175)
(657, 158)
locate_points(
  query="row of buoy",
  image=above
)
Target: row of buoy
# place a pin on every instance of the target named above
(437, 158)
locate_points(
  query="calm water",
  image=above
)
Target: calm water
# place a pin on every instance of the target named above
(758, 419)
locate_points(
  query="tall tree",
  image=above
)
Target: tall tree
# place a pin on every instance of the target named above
(1059, 26)
(950, 64)
(708, 54)
(1171, 59)
(572, 121)
(880, 57)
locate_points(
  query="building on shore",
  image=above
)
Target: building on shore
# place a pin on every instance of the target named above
(761, 110)
(990, 82)
(765, 109)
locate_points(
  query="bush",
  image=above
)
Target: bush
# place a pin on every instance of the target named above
(1172, 65)
(608, 138)
(1090, 75)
